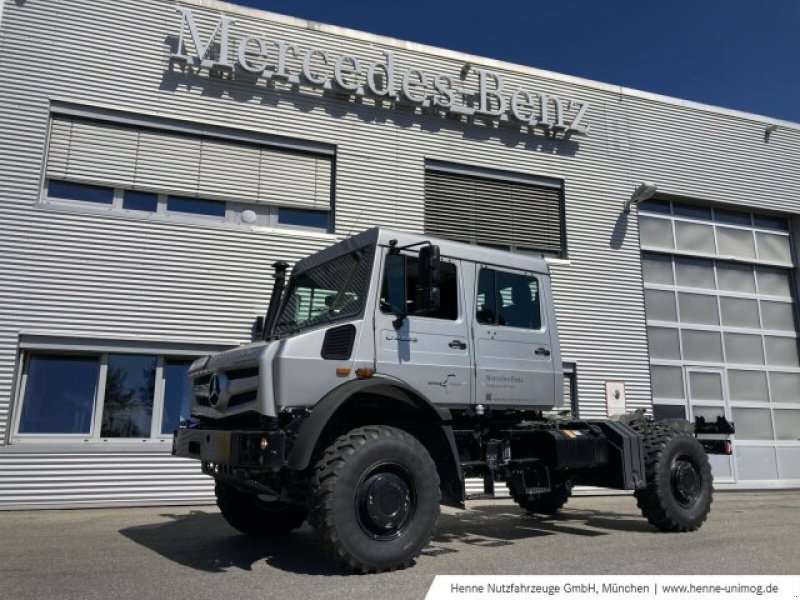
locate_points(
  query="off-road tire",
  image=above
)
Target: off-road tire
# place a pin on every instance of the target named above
(548, 503)
(248, 514)
(679, 491)
(374, 499)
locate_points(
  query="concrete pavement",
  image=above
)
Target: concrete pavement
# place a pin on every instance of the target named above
(183, 552)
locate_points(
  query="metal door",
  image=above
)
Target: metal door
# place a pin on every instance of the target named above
(514, 356)
(432, 354)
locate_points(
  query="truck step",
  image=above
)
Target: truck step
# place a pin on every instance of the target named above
(481, 496)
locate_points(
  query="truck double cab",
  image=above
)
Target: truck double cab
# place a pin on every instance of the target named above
(393, 366)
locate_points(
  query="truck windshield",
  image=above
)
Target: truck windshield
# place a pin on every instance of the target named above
(328, 292)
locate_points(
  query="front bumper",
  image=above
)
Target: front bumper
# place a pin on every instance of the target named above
(232, 453)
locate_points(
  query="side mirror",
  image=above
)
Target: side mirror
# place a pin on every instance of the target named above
(428, 294)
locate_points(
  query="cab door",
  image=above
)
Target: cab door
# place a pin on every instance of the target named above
(431, 353)
(516, 357)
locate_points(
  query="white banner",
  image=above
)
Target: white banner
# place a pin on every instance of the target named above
(627, 587)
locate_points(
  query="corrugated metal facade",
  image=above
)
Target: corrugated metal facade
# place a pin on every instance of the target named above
(79, 273)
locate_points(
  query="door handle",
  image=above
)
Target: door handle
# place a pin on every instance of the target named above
(541, 351)
(458, 344)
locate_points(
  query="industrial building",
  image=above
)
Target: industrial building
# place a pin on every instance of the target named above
(157, 156)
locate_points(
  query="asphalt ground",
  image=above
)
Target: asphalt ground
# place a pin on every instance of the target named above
(190, 552)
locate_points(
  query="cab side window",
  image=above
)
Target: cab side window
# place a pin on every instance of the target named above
(448, 290)
(508, 299)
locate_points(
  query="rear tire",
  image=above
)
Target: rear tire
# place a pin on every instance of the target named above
(251, 516)
(679, 488)
(375, 499)
(548, 503)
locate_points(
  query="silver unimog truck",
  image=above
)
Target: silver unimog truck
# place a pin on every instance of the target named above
(391, 367)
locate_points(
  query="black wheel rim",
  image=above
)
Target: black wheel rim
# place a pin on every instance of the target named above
(385, 501)
(686, 481)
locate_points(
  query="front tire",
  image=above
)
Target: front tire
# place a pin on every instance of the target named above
(375, 499)
(251, 516)
(679, 488)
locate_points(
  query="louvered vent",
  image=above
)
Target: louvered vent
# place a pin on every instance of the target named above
(338, 343)
(499, 212)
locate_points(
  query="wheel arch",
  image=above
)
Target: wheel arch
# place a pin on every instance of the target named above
(382, 401)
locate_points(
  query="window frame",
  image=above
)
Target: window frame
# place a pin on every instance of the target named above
(542, 313)
(445, 260)
(231, 218)
(545, 181)
(101, 350)
(234, 207)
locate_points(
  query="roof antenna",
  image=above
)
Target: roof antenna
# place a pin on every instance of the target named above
(356, 222)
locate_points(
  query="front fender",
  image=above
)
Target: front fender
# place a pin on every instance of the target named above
(312, 427)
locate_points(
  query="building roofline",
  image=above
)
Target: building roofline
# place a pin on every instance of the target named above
(356, 34)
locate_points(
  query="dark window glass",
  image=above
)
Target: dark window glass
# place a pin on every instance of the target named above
(668, 411)
(299, 217)
(196, 206)
(128, 407)
(732, 217)
(656, 206)
(691, 211)
(144, 201)
(766, 222)
(59, 394)
(509, 299)
(448, 290)
(177, 394)
(66, 190)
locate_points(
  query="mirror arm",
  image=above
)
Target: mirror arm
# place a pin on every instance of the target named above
(394, 248)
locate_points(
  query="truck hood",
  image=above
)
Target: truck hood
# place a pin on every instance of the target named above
(246, 355)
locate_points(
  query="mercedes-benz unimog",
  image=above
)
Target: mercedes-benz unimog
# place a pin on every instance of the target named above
(391, 367)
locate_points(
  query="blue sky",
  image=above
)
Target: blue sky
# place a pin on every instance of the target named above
(742, 54)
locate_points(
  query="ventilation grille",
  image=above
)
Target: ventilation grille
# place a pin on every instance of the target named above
(338, 344)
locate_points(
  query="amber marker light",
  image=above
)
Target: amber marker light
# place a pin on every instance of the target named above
(342, 371)
(365, 372)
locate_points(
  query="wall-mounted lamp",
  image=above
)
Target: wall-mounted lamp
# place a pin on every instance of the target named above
(768, 130)
(645, 191)
(465, 68)
(249, 216)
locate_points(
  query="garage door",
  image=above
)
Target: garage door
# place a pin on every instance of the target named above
(721, 317)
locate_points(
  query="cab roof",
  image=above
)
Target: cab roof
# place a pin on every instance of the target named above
(449, 249)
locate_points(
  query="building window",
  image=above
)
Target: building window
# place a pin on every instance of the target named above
(141, 201)
(66, 190)
(297, 217)
(156, 173)
(65, 408)
(493, 208)
(94, 396)
(196, 206)
(128, 403)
